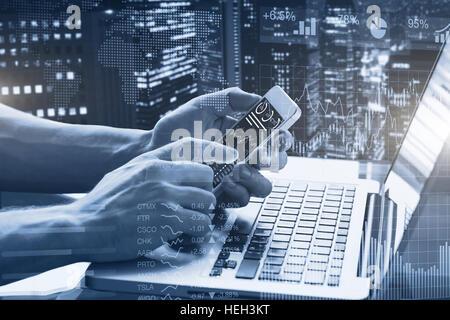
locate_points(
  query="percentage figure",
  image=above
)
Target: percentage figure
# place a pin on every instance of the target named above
(348, 19)
(418, 23)
(280, 15)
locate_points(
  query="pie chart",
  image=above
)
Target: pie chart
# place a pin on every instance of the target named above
(378, 33)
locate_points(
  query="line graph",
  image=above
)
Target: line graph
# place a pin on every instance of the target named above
(347, 114)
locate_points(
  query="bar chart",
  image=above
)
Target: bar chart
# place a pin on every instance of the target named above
(304, 30)
(440, 36)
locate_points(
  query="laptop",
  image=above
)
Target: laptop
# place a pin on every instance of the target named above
(309, 237)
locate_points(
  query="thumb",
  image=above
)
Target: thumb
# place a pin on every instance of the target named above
(196, 150)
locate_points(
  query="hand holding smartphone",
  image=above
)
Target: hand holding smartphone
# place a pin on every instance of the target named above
(275, 111)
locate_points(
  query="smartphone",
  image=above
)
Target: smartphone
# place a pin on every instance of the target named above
(276, 110)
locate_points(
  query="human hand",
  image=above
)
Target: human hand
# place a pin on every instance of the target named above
(217, 111)
(150, 201)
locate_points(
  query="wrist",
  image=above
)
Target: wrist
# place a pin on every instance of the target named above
(137, 143)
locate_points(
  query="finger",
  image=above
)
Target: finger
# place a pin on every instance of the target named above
(256, 184)
(196, 150)
(286, 140)
(240, 100)
(237, 194)
(193, 198)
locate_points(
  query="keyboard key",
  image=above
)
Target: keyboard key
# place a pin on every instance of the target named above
(314, 199)
(274, 261)
(342, 232)
(336, 204)
(302, 237)
(338, 255)
(332, 216)
(344, 225)
(335, 192)
(335, 263)
(260, 240)
(256, 200)
(335, 187)
(323, 243)
(262, 233)
(247, 269)
(325, 229)
(299, 245)
(292, 277)
(294, 212)
(286, 224)
(296, 260)
(269, 206)
(350, 193)
(314, 277)
(268, 268)
(324, 235)
(294, 199)
(345, 219)
(279, 245)
(327, 222)
(348, 199)
(256, 247)
(351, 188)
(297, 194)
(313, 205)
(224, 255)
(230, 264)
(296, 186)
(292, 205)
(267, 219)
(310, 211)
(220, 263)
(270, 213)
(341, 239)
(283, 231)
(308, 224)
(330, 209)
(293, 268)
(276, 253)
(286, 217)
(333, 281)
(274, 201)
(302, 230)
(215, 272)
(317, 266)
(269, 276)
(335, 272)
(319, 258)
(265, 226)
(308, 217)
(317, 187)
(346, 212)
(339, 247)
(321, 250)
(318, 194)
(280, 189)
(277, 195)
(347, 205)
(333, 198)
(254, 255)
(281, 237)
(298, 252)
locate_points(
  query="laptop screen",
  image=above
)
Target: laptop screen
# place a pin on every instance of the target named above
(424, 139)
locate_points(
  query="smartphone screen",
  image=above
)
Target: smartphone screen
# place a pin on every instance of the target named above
(263, 116)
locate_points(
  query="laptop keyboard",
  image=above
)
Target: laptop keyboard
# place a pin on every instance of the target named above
(300, 235)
